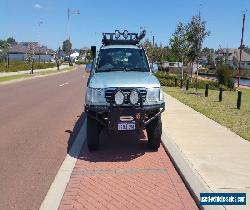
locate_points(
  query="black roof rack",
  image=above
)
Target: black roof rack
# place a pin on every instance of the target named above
(122, 38)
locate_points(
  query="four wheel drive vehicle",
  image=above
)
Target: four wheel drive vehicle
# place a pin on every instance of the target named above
(122, 92)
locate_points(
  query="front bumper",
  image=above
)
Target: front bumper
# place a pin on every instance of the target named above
(109, 116)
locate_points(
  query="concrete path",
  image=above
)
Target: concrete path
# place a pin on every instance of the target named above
(6, 74)
(210, 156)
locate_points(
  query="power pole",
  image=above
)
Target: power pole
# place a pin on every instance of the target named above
(153, 53)
(68, 25)
(241, 46)
(39, 49)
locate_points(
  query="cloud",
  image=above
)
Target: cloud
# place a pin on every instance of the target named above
(38, 6)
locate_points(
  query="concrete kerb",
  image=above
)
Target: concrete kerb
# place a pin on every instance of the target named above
(56, 191)
(186, 170)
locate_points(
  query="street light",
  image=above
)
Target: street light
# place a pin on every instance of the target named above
(39, 24)
(71, 12)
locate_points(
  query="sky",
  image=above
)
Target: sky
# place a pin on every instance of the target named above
(20, 19)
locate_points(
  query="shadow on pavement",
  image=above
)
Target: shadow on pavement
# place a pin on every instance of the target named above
(76, 129)
(117, 147)
(114, 147)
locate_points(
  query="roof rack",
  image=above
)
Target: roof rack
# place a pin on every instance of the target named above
(122, 38)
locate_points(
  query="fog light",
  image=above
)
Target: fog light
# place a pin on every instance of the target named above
(134, 97)
(119, 97)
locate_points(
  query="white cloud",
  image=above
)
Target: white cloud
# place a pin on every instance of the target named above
(38, 6)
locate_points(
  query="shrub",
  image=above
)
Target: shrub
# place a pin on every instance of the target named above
(21, 66)
(80, 62)
(167, 79)
(224, 75)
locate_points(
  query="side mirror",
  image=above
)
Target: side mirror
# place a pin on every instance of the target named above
(154, 67)
(93, 51)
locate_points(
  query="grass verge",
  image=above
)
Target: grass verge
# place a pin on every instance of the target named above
(42, 73)
(224, 112)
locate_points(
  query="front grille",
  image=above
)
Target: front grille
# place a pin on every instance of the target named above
(126, 92)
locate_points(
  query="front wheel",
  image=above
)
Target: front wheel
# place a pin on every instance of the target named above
(154, 131)
(93, 131)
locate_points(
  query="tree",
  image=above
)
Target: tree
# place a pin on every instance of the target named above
(179, 45)
(67, 48)
(4, 46)
(178, 42)
(148, 46)
(196, 34)
(156, 53)
(11, 41)
(235, 62)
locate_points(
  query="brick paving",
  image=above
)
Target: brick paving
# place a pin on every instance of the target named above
(125, 174)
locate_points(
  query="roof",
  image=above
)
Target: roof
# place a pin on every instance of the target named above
(120, 46)
(23, 47)
(233, 52)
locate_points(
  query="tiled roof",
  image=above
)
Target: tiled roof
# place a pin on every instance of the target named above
(232, 52)
(23, 47)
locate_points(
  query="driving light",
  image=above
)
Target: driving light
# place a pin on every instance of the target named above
(134, 97)
(119, 97)
(117, 34)
(125, 34)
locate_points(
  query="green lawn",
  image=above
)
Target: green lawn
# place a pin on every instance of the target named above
(224, 112)
(23, 76)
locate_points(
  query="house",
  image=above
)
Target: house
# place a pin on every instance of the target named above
(74, 56)
(20, 52)
(231, 56)
(168, 64)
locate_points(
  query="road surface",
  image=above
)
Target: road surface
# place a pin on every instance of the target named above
(37, 117)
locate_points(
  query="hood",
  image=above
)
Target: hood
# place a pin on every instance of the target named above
(123, 79)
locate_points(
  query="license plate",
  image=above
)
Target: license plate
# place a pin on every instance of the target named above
(125, 126)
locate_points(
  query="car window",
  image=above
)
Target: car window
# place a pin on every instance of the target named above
(114, 59)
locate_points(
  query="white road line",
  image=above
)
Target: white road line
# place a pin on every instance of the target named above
(54, 195)
(66, 83)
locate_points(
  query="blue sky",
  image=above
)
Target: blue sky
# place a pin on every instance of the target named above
(19, 18)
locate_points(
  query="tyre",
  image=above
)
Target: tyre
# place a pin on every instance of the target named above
(93, 131)
(154, 131)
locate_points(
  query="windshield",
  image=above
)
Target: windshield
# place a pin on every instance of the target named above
(122, 59)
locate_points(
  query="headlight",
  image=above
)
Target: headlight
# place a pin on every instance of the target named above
(134, 97)
(154, 95)
(95, 96)
(161, 95)
(119, 97)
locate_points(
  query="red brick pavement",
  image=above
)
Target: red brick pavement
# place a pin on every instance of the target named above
(125, 174)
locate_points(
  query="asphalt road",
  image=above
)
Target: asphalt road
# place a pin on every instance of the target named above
(37, 118)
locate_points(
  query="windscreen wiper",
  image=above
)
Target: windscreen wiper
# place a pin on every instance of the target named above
(136, 69)
(110, 69)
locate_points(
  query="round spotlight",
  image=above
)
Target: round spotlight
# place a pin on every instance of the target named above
(125, 34)
(134, 97)
(117, 34)
(119, 97)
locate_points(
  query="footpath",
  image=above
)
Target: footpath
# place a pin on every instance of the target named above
(210, 157)
(6, 74)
